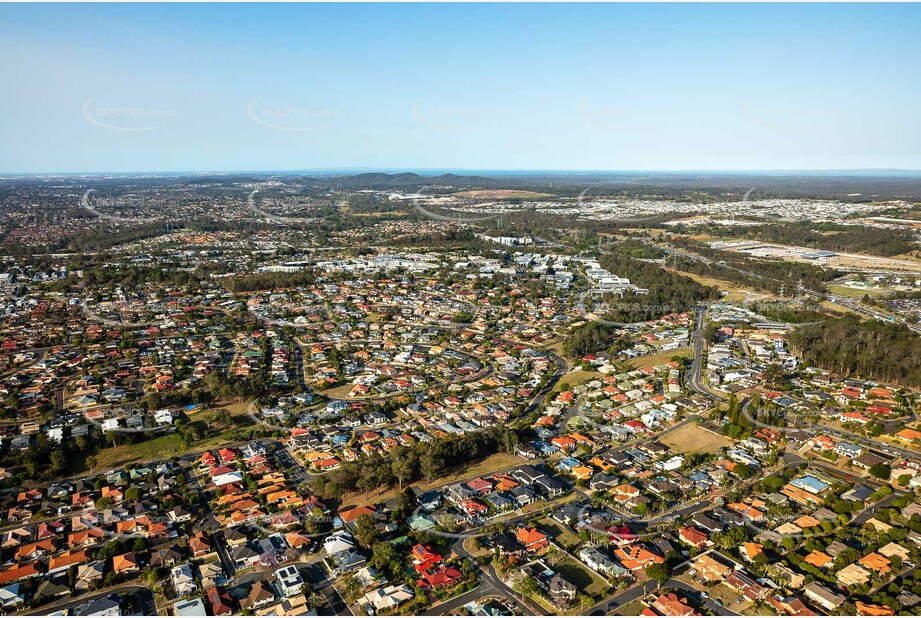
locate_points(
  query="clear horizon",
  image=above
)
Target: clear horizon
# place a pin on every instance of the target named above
(724, 88)
(435, 171)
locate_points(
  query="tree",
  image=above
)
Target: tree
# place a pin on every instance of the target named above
(773, 375)
(385, 559)
(403, 467)
(366, 532)
(133, 494)
(351, 586)
(743, 471)
(406, 502)
(589, 338)
(661, 573)
(527, 586)
(431, 465)
(881, 471)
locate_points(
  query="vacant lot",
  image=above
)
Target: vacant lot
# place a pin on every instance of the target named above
(166, 446)
(163, 447)
(584, 579)
(693, 438)
(338, 392)
(564, 536)
(654, 360)
(575, 378)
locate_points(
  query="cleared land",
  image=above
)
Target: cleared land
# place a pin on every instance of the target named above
(634, 608)
(851, 292)
(575, 378)
(502, 194)
(652, 360)
(692, 438)
(735, 291)
(338, 392)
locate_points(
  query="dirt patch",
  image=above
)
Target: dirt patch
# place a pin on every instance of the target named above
(654, 360)
(692, 438)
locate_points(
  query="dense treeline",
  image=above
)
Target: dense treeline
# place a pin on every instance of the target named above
(829, 237)
(591, 337)
(269, 281)
(448, 238)
(639, 249)
(130, 276)
(668, 291)
(108, 236)
(872, 349)
(424, 460)
(367, 202)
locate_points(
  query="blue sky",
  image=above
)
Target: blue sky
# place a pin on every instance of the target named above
(176, 87)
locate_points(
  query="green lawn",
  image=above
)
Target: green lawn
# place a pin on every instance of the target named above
(634, 608)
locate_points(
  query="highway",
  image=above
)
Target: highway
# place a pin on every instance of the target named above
(694, 376)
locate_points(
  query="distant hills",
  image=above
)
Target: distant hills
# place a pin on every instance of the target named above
(850, 186)
(869, 185)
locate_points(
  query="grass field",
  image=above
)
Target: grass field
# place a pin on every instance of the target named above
(849, 292)
(836, 308)
(653, 360)
(163, 447)
(491, 464)
(693, 438)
